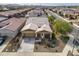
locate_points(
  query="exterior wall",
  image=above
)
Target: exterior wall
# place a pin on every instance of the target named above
(43, 33)
(39, 35)
(28, 34)
(76, 33)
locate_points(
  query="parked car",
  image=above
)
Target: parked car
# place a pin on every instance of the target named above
(2, 39)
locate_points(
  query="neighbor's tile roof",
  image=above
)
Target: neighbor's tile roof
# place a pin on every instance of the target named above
(7, 13)
(13, 23)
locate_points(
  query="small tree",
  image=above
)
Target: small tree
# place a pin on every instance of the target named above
(62, 26)
(51, 19)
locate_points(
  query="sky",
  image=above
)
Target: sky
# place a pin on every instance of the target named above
(41, 2)
(54, 4)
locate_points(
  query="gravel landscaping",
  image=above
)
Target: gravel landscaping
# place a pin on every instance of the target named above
(57, 46)
(13, 45)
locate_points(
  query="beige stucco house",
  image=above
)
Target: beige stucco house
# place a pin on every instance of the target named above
(37, 27)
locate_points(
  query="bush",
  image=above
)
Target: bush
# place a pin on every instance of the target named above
(51, 18)
(52, 42)
(53, 36)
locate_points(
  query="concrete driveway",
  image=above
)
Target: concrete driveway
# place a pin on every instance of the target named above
(27, 45)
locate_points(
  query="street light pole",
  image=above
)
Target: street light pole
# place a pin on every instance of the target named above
(73, 45)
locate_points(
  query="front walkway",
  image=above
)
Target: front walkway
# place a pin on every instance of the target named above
(69, 45)
(27, 45)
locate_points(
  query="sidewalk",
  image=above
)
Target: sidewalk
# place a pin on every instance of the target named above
(69, 45)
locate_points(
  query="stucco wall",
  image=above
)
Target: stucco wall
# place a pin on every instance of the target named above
(28, 34)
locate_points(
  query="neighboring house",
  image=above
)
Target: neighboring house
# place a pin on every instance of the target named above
(3, 18)
(37, 27)
(11, 26)
(13, 13)
(35, 13)
(8, 13)
(70, 13)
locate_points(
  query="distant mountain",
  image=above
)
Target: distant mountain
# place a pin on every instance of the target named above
(53, 4)
(44, 4)
(39, 4)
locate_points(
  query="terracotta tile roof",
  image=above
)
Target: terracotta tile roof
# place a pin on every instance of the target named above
(37, 24)
(39, 21)
(30, 26)
(13, 23)
(44, 28)
(7, 13)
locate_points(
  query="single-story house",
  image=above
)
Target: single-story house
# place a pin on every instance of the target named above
(11, 27)
(70, 13)
(35, 13)
(13, 13)
(37, 27)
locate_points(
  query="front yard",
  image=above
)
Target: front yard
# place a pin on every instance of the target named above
(55, 45)
(13, 45)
